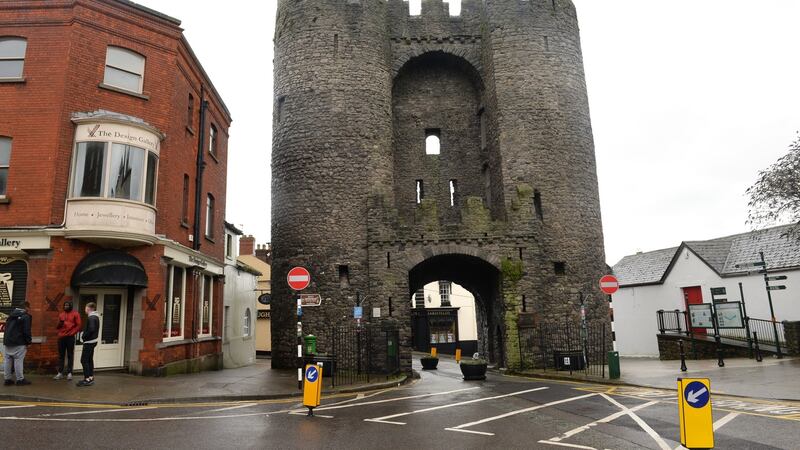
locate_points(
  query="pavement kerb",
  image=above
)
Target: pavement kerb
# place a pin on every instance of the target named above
(212, 398)
(606, 382)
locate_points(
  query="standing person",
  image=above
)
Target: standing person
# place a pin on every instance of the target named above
(16, 340)
(90, 337)
(69, 324)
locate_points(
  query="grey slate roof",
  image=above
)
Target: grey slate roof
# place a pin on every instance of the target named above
(644, 268)
(721, 254)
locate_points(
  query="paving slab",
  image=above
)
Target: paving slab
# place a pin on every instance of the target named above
(771, 378)
(255, 382)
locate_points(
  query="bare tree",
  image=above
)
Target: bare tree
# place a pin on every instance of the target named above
(775, 196)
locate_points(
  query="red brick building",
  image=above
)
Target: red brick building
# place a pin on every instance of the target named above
(113, 161)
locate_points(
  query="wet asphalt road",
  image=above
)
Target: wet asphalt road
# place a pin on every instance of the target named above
(438, 411)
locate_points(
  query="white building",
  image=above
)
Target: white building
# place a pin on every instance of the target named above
(444, 317)
(670, 278)
(238, 338)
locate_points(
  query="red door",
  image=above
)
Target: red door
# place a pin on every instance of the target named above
(693, 296)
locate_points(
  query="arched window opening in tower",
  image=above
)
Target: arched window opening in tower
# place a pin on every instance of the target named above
(432, 142)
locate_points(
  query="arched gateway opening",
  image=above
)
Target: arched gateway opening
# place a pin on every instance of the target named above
(479, 278)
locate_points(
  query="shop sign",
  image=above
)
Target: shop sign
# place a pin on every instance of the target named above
(262, 314)
(13, 280)
(118, 133)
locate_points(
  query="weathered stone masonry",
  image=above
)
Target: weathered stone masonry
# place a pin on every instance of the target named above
(358, 84)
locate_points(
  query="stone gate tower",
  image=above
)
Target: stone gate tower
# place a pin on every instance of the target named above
(509, 206)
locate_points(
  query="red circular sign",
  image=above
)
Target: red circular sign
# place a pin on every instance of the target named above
(298, 278)
(609, 284)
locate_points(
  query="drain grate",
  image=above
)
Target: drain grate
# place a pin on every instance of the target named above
(142, 403)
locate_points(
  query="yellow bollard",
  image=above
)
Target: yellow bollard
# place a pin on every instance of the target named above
(458, 355)
(433, 352)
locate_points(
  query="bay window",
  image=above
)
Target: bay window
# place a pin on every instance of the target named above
(112, 170)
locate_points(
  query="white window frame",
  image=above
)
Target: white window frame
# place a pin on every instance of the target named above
(168, 305)
(109, 146)
(210, 206)
(15, 58)
(7, 166)
(210, 305)
(247, 323)
(213, 135)
(131, 53)
(445, 291)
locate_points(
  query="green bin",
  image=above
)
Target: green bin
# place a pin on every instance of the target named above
(311, 344)
(613, 365)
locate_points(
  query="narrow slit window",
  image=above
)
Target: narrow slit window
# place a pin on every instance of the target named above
(390, 306)
(344, 276)
(560, 268)
(453, 187)
(281, 101)
(190, 111)
(432, 142)
(335, 45)
(185, 203)
(420, 191)
(537, 205)
(482, 118)
(388, 260)
(524, 305)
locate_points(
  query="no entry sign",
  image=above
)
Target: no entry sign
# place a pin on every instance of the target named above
(298, 278)
(609, 284)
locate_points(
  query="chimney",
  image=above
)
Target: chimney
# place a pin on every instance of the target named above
(264, 253)
(247, 245)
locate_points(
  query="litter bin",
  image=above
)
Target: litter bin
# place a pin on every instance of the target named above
(613, 365)
(310, 344)
(569, 360)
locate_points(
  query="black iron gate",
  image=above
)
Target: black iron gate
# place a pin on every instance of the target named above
(566, 346)
(362, 353)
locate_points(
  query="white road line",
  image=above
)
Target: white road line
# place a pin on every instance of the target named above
(375, 402)
(246, 405)
(606, 419)
(434, 408)
(647, 428)
(470, 431)
(565, 444)
(144, 419)
(17, 406)
(722, 422)
(99, 411)
(519, 411)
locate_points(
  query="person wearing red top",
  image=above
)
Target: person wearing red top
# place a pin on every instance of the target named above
(69, 324)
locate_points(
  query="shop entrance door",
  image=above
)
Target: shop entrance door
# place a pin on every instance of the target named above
(112, 306)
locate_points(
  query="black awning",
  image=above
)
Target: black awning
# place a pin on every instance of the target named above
(109, 268)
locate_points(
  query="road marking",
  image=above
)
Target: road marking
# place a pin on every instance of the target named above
(246, 405)
(144, 419)
(375, 402)
(98, 411)
(606, 419)
(17, 406)
(722, 422)
(434, 408)
(650, 431)
(566, 444)
(512, 413)
(297, 413)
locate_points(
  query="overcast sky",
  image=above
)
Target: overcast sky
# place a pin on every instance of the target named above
(689, 100)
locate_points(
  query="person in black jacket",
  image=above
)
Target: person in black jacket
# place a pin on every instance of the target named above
(16, 340)
(90, 336)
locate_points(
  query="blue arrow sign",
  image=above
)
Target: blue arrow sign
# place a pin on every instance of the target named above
(696, 394)
(311, 374)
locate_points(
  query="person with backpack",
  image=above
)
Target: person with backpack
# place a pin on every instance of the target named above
(90, 336)
(16, 340)
(69, 324)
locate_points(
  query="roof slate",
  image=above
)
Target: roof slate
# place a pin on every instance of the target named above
(722, 254)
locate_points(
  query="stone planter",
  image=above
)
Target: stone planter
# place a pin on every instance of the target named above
(429, 363)
(473, 369)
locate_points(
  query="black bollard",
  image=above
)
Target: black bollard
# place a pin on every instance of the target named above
(683, 355)
(720, 361)
(758, 349)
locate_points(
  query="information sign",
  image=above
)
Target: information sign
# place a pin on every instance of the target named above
(700, 315)
(694, 412)
(729, 315)
(358, 312)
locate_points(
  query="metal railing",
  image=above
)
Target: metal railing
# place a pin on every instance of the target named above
(359, 353)
(566, 346)
(678, 322)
